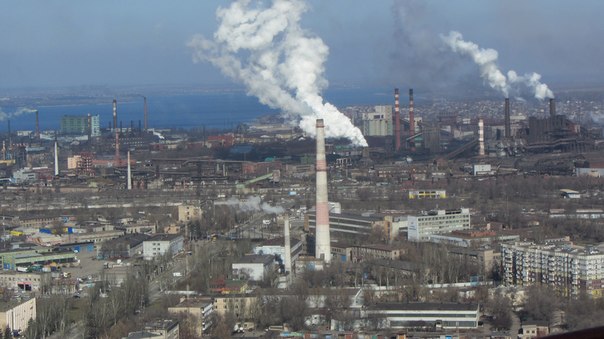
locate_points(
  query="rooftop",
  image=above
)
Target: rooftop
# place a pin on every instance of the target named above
(255, 259)
(426, 306)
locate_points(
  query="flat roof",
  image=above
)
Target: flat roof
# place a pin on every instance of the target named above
(255, 259)
(425, 306)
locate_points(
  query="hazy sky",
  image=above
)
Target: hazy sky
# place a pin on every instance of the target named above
(379, 42)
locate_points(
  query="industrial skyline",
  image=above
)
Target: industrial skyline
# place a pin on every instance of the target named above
(145, 42)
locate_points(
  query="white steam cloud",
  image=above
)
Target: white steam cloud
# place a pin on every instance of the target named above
(252, 204)
(18, 112)
(486, 59)
(280, 63)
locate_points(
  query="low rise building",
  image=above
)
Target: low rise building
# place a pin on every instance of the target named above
(422, 315)
(421, 227)
(162, 244)
(276, 247)
(255, 267)
(16, 314)
(24, 281)
(201, 312)
(188, 213)
(345, 224)
(427, 194)
(161, 329)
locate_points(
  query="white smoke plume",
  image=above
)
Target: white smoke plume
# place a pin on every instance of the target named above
(252, 204)
(486, 59)
(279, 62)
(18, 112)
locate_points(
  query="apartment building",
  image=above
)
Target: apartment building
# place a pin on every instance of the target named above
(568, 269)
(421, 227)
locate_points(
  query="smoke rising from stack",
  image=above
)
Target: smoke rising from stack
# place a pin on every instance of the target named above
(486, 59)
(251, 204)
(18, 112)
(266, 49)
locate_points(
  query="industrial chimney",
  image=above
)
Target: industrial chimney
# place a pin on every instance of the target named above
(397, 121)
(10, 141)
(411, 115)
(117, 134)
(37, 126)
(481, 137)
(287, 257)
(552, 107)
(146, 114)
(89, 126)
(129, 185)
(323, 241)
(56, 160)
(506, 122)
(114, 114)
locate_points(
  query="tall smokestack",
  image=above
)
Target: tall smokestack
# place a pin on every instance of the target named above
(117, 134)
(506, 117)
(10, 140)
(129, 173)
(56, 159)
(89, 126)
(323, 241)
(480, 137)
(37, 126)
(552, 107)
(114, 114)
(411, 115)
(146, 114)
(287, 258)
(397, 121)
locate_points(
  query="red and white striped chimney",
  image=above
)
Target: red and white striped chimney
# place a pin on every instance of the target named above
(481, 151)
(397, 121)
(322, 237)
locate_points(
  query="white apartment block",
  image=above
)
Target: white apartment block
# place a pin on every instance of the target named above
(161, 244)
(421, 227)
(16, 314)
(568, 269)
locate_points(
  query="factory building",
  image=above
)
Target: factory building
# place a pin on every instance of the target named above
(345, 224)
(81, 124)
(412, 315)
(420, 228)
(427, 194)
(378, 123)
(570, 270)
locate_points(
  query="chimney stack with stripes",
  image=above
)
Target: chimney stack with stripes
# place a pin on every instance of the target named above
(322, 237)
(481, 137)
(411, 116)
(397, 121)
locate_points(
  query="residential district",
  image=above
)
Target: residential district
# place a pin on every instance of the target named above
(477, 219)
